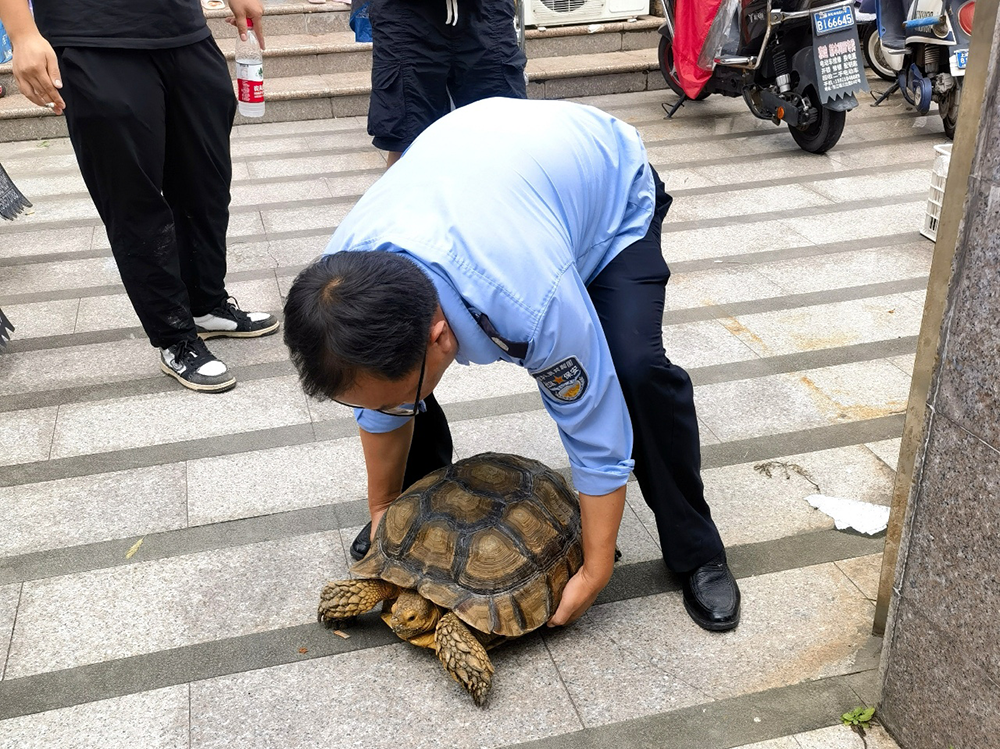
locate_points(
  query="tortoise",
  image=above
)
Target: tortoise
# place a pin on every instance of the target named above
(471, 555)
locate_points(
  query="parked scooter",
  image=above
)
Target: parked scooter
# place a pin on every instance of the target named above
(792, 63)
(871, 44)
(927, 45)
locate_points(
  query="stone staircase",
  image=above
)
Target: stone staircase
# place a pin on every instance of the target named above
(314, 69)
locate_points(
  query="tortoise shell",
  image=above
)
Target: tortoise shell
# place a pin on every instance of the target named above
(493, 538)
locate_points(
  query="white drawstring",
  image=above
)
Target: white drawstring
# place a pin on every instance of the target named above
(452, 17)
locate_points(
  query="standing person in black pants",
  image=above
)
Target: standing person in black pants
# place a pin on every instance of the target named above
(149, 105)
(425, 50)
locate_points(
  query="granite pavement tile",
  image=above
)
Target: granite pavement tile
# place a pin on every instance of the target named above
(875, 186)
(703, 344)
(864, 572)
(846, 269)
(163, 418)
(720, 285)
(750, 507)
(278, 480)
(47, 241)
(301, 143)
(242, 223)
(749, 170)
(39, 185)
(330, 701)
(861, 390)
(39, 319)
(88, 509)
(531, 433)
(129, 359)
(904, 363)
(786, 742)
(760, 406)
(860, 223)
(887, 451)
(744, 202)
(298, 127)
(634, 540)
(842, 737)
(26, 436)
(831, 325)
(32, 148)
(709, 240)
(343, 185)
(650, 655)
(307, 165)
(144, 607)
(59, 275)
(904, 150)
(40, 160)
(278, 220)
(298, 251)
(258, 193)
(48, 209)
(9, 597)
(151, 720)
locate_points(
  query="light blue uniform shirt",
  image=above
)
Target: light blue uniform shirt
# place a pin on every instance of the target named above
(512, 207)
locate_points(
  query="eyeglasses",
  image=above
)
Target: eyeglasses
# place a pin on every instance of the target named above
(402, 410)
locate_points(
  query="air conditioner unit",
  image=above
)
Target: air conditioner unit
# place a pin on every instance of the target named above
(566, 12)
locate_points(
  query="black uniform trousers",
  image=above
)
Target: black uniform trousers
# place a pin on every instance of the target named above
(151, 128)
(628, 297)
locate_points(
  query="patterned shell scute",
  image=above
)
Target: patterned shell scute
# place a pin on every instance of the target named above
(493, 537)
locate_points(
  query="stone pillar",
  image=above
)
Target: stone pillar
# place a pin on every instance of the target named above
(941, 660)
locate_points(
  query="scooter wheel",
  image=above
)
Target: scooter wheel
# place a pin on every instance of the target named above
(665, 55)
(949, 109)
(821, 135)
(872, 46)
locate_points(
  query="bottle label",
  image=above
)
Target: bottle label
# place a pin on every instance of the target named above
(250, 82)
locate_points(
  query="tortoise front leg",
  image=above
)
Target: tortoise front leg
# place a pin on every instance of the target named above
(343, 599)
(464, 657)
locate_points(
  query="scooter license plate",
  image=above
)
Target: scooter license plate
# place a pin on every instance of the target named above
(835, 19)
(959, 61)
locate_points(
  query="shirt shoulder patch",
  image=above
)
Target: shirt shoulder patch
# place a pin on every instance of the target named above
(566, 381)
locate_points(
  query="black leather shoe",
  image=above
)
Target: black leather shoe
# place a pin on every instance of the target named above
(362, 543)
(711, 595)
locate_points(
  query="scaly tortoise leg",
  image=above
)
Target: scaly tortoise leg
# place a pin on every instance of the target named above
(344, 599)
(464, 657)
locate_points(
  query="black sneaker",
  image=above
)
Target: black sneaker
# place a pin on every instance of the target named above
(194, 367)
(230, 321)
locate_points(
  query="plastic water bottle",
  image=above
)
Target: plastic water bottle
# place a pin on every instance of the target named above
(250, 74)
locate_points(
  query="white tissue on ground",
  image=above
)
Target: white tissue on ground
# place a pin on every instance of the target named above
(863, 517)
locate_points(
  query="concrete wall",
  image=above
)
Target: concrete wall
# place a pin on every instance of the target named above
(941, 663)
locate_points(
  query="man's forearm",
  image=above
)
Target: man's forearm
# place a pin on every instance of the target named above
(17, 19)
(385, 461)
(600, 517)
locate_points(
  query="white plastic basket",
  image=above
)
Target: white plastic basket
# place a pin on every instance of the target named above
(935, 198)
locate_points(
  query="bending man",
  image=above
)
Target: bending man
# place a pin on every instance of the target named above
(527, 233)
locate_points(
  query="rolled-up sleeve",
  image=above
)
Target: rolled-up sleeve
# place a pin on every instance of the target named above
(376, 422)
(569, 358)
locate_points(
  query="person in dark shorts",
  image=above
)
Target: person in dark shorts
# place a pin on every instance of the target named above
(149, 106)
(425, 50)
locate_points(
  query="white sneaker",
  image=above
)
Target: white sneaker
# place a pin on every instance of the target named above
(194, 367)
(230, 321)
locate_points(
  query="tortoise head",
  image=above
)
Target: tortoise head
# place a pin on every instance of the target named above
(413, 615)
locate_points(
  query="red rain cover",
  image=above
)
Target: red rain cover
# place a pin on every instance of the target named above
(692, 20)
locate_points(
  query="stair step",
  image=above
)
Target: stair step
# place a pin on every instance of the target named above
(298, 53)
(346, 94)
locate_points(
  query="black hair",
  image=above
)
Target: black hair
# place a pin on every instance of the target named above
(353, 313)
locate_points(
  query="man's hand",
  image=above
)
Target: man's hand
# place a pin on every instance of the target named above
(36, 71)
(600, 517)
(578, 596)
(244, 9)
